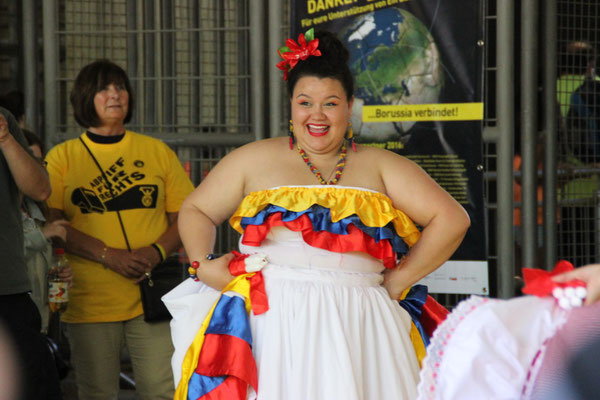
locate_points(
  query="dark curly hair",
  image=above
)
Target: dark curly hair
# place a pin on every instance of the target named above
(332, 63)
(91, 79)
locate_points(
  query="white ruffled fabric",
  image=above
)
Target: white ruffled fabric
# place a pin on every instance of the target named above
(188, 303)
(489, 349)
(331, 332)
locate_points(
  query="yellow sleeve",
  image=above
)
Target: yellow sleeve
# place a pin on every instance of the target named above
(178, 185)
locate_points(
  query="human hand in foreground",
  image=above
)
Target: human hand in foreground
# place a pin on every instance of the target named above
(590, 274)
(56, 229)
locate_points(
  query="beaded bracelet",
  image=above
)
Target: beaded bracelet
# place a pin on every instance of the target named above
(195, 265)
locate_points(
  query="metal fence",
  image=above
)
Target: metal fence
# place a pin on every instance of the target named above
(579, 180)
(187, 61)
(203, 79)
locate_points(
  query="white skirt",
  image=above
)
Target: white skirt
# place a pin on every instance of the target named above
(331, 331)
(489, 349)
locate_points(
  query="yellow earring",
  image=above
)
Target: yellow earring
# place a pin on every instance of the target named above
(291, 135)
(350, 136)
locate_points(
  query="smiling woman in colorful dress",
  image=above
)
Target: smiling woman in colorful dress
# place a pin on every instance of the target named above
(334, 220)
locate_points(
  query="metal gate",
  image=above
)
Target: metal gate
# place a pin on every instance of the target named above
(204, 79)
(192, 64)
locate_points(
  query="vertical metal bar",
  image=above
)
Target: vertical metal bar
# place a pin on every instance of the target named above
(506, 125)
(168, 65)
(551, 131)
(107, 11)
(30, 65)
(50, 40)
(257, 65)
(132, 54)
(195, 65)
(149, 69)
(529, 82)
(275, 81)
(243, 61)
(141, 57)
(158, 83)
(221, 70)
(196, 100)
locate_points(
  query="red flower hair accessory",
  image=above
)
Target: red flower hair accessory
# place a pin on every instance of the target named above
(539, 283)
(293, 52)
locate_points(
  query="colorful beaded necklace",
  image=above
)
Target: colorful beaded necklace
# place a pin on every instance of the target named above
(339, 167)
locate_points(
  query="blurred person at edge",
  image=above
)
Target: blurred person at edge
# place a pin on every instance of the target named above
(109, 259)
(38, 235)
(569, 369)
(20, 173)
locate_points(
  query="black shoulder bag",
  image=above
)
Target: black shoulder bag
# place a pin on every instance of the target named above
(164, 277)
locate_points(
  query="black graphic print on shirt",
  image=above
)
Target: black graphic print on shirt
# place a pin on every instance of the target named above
(127, 192)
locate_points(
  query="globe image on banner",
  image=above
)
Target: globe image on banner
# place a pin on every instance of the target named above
(395, 61)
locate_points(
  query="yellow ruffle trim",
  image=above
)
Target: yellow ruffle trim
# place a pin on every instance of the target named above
(374, 209)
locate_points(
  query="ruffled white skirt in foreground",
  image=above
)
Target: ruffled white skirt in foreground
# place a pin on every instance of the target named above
(489, 349)
(331, 331)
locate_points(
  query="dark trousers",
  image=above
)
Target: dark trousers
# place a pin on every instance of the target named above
(38, 378)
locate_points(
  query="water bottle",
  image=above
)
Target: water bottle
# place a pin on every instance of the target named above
(58, 290)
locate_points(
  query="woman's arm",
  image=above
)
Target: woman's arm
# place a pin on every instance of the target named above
(128, 264)
(444, 221)
(198, 234)
(209, 205)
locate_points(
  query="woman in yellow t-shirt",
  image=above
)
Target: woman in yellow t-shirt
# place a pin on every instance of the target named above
(121, 192)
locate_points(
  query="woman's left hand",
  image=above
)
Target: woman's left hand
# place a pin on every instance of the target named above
(393, 282)
(151, 255)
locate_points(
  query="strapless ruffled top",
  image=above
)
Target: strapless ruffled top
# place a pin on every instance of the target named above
(333, 218)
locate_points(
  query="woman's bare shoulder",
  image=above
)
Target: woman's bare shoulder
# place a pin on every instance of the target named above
(253, 149)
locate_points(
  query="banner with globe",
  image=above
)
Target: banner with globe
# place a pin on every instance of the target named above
(418, 68)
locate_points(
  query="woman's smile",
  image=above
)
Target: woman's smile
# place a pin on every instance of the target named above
(317, 129)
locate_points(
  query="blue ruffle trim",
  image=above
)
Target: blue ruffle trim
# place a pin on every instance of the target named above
(321, 221)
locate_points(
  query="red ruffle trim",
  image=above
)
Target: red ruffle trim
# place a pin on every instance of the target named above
(355, 240)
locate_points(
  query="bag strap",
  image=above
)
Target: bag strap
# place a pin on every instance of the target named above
(110, 190)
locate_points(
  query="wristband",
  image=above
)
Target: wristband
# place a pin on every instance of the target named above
(161, 251)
